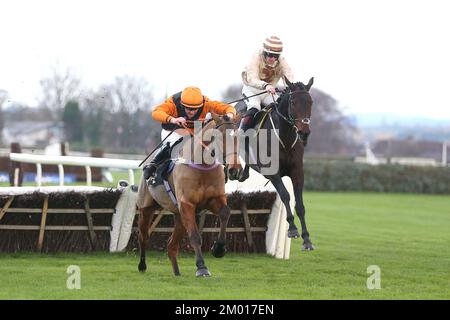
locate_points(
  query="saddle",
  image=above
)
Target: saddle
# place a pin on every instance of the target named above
(260, 117)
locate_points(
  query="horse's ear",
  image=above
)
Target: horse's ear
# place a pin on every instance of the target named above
(289, 84)
(310, 83)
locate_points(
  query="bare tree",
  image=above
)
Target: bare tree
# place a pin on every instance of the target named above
(127, 93)
(332, 132)
(61, 86)
(128, 102)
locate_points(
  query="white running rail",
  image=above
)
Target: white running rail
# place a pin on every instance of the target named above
(87, 162)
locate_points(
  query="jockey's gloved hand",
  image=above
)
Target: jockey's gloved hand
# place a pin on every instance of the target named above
(180, 121)
(270, 88)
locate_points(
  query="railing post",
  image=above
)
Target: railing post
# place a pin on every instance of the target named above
(38, 174)
(16, 168)
(131, 176)
(61, 174)
(88, 176)
(16, 177)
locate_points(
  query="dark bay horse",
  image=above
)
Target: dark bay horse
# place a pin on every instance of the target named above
(291, 115)
(196, 186)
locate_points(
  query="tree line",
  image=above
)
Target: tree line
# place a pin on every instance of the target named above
(117, 116)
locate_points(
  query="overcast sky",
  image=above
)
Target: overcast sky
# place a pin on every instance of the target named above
(372, 56)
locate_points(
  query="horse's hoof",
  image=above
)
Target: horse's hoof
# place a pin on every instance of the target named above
(142, 267)
(203, 273)
(218, 250)
(293, 234)
(307, 246)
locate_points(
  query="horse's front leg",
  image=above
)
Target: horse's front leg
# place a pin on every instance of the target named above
(285, 198)
(245, 173)
(220, 208)
(298, 181)
(145, 218)
(173, 245)
(187, 211)
(300, 208)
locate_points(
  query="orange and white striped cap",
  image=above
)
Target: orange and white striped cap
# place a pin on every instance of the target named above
(273, 44)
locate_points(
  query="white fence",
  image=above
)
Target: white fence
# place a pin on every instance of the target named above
(60, 161)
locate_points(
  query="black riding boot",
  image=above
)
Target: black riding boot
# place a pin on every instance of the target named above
(247, 120)
(163, 154)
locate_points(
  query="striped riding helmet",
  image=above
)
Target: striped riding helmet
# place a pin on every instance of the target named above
(273, 44)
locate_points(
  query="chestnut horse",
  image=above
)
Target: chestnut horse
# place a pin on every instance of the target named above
(196, 185)
(291, 116)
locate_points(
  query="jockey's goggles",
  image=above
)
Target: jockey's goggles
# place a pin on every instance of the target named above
(272, 55)
(190, 109)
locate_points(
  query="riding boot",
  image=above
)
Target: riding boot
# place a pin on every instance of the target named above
(163, 154)
(247, 120)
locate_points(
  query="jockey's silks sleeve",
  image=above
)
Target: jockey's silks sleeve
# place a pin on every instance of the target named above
(218, 107)
(163, 112)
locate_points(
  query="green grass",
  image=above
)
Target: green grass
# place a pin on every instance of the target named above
(407, 236)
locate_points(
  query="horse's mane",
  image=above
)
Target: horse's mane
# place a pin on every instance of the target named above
(285, 94)
(208, 124)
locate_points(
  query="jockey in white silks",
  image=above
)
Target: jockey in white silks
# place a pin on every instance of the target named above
(263, 72)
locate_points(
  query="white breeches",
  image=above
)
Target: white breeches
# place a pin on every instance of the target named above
(255, 102)
(173, 137)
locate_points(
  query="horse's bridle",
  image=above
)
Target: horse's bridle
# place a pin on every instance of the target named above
(291, 120)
